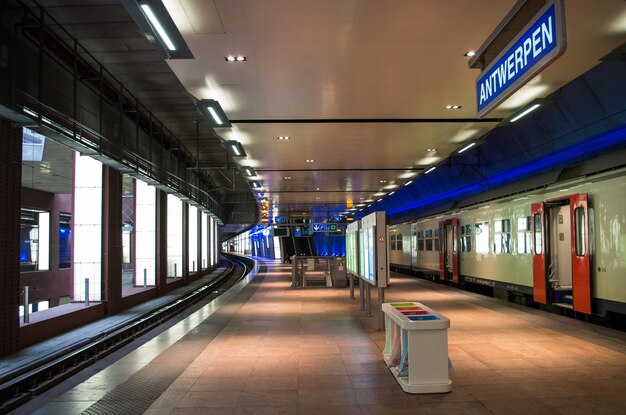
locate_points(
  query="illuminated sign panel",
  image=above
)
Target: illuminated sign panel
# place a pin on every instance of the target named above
(324, 227)
(538, 44)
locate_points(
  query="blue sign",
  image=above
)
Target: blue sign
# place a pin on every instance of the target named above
(301, 232)
(279, 219)
(324, 227)
(533, 49)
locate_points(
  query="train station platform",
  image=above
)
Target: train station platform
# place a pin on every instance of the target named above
(273, 349)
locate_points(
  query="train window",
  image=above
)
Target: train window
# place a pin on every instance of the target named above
(502, 236)
(429, 245)
(392, 242)
(420, 244)
(538, 236)
(481, 229)
(524, 235)
(579, 216)
(466, 240)
(399, 242)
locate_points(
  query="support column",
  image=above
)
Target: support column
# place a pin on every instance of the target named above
(10, 195)
(112, 239)
(161, 241)
(185, 262)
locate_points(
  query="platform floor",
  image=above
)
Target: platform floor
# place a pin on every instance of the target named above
(277, 350)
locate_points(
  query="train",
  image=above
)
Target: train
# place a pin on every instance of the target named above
(559, 246)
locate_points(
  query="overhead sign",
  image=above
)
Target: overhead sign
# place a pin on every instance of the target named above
(536, 46)
(324, 227)
(279, 219)
(301, 231)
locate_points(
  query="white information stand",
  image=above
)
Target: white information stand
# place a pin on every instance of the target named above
(422, 364)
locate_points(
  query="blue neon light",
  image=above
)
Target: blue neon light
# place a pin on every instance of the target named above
(584, 150)
(523, 57)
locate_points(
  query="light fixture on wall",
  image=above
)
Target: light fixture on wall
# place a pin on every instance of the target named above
(158, 26)
(249, 171)
(213, 113)
(235, 148)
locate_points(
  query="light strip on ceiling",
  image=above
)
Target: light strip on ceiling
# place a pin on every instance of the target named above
(467, 147)
(216, 117)
(525, 113)
(429, 170)
(147, 11)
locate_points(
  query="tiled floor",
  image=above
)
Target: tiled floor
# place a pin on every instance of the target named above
(311, 351)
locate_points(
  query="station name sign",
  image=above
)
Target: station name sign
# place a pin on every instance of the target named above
(536, 46)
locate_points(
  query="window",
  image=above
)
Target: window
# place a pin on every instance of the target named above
(466, 238)
(399, 242)
(65, 240)
(580, 231)
(538, 236)
(429, 240)
(34, 240)
(524, 235)
(392, 240)
(420, 240)
(502, 236)
(436, 237)
(481, 229)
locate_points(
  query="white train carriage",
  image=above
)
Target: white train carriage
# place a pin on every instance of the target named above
(564, 245)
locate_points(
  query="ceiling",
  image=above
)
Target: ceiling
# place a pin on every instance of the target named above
(330, 74)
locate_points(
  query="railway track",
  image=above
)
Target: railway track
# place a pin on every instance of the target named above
(21, 384)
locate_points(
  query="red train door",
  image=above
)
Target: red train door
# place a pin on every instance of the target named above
(539, 258)
(449, 250)
(581, 268)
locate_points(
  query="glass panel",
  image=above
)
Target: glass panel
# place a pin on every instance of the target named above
(429, 244)
(482, 237)
(29, 240)
(65, 240)
(579, 217)
(538, 237)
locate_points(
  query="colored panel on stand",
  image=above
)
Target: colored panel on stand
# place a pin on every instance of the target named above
(422, 318)
(408, 308)
(415, 313)
(402, 304)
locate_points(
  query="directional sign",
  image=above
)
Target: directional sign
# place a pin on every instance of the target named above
(301, 232)
(324, 227)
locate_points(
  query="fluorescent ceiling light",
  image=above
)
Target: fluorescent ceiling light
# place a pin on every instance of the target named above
(429, 170)
(453, 107)
(391, 193)
(235, 148)
(408, 183)
(379, 200)
(470, 53)
(239, 58)
(467, 147)
(249, 171)
(430, 150)
(525, 113)
(213, 113)
(283, 137)
(147, 11)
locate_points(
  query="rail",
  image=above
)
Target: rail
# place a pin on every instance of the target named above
(21, 384)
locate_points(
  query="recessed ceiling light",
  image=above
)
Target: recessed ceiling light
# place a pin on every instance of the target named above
(453, 107)
(470, 53)
(383, 181)
(238, 58)
(430, 150)
(310, 160)
(317, 188)
(283, 137)
(287, 177)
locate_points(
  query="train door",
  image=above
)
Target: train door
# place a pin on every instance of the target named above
(561, 262)
(449, 253)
